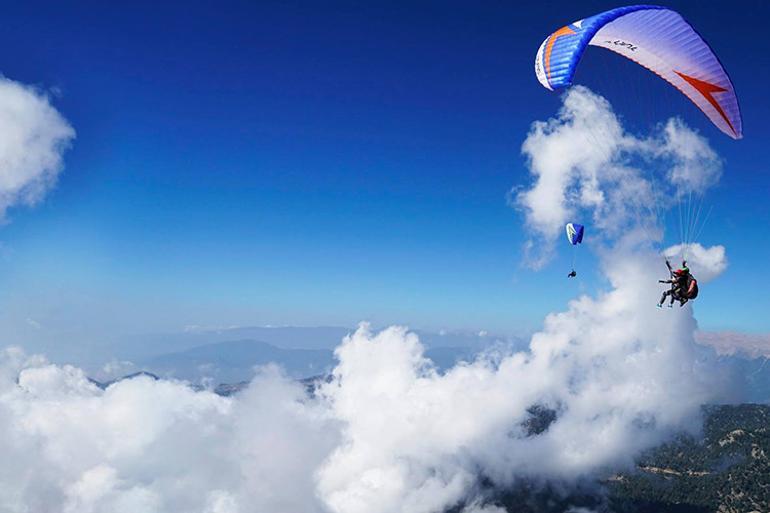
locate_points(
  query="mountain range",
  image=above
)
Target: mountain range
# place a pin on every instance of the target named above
(236, 360)
(230, 355)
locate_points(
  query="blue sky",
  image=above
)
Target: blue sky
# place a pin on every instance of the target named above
(322, 163)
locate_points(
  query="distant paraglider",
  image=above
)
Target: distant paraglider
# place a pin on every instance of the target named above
(575, 237)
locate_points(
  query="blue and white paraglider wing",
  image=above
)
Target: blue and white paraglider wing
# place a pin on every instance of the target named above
(658, 39)
(575, 233)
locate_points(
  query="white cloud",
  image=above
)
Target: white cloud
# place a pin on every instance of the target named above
(145, 445)
(585, 167)
(33, 138)
(619, 372)
(388, 434)
(695, 165)
(704, 263)
(571, 158)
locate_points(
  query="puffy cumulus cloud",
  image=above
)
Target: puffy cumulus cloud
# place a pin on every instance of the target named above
(155, 446)
(586, 166)
(33, 138)
(620, 375)
(704, 263)
(387, 433)
(695, 166)
(566, 159)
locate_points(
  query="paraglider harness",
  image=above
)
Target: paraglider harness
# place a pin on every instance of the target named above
(684, 286)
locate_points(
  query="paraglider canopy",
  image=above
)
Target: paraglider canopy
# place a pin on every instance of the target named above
(658, 39)
(575, 233)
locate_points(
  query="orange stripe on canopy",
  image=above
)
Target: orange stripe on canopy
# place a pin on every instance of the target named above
(564, 31)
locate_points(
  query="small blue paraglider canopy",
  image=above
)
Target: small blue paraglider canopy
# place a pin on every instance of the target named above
(575, 233)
